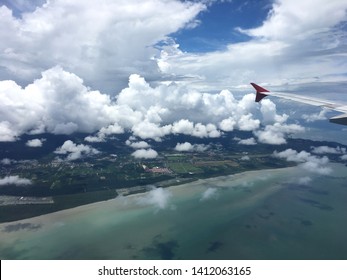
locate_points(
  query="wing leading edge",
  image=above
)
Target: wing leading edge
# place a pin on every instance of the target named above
(340, 119)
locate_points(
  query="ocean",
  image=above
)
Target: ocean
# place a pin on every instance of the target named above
(267, 214)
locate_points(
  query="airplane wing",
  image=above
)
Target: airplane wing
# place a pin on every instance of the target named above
(340, 119)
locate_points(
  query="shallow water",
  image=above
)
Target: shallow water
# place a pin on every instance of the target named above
(263, 214)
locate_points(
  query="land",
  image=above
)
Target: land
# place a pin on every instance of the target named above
(57, 183)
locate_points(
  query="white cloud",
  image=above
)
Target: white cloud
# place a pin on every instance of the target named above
(247, 123)
(316, 117)
(138, 145)
(59, 102)
(249, 141)
(106, 40)
(227, 124)
(74, 151)
(14, 180)
(296, 43)
(307, 161)
(104, 132)
(158, 197)
(7, 161)
(145, 153)
(7, 133)
(328, 150)
(188, 147)
(343, 157)
(210, 193)
(304, 180)
(289, 21)
(276, 134)
(268, 110)
(35, 143)
(146, 130)
(293, 155)
(118, 39)
(184, 147)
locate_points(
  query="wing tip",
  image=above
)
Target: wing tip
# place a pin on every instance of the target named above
(259, 92)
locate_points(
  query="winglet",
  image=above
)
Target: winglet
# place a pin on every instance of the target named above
(260, 92)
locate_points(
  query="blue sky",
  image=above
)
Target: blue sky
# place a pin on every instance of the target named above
(157, 67)
(218, 25)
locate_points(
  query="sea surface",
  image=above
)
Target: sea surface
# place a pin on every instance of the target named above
(268, 214)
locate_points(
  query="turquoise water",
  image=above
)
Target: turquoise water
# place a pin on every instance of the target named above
(269, 214)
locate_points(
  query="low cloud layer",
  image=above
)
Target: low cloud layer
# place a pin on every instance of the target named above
(210, 193)
(188, 147)
(245, 158)
(145, 153)
(304, 180)
(35, 143)
(248, 141)
(137, 145)
(14, 180)
(328, 150)
(316, 116)
(74, 151)
(60, 103)
(309, 162)
(276, 134)
(158, 197)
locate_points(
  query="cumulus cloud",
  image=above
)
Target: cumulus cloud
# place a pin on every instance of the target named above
(119, 39)
(149, 130)
(328, 150)
(307, 161)
(304, 180)
(343, 157)
(288, 47)
(14, 180)
(104, 132)
(7, 161)
(188, 147)
(316, 117)
(200, 130)
(248, 141)
(290, 21)
(210, 193)
(137, 145)
(247, 123)
(158, 197)
(74, 151)
(245, 158)
(106, 40)
(145, 153)
(227, 124)
(60, 103)
(276, 134)
(268, 111)
(35, 143)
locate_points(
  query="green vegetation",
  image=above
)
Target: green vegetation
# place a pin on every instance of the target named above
(103, 176)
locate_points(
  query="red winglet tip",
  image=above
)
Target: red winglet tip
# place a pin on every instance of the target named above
(259, 88)
(260, 92)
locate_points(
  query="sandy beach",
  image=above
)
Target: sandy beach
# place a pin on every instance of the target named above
(124, 203)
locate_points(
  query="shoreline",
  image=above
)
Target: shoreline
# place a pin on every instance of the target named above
(281, 216)
(79, 208)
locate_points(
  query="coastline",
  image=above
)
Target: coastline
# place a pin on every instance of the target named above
(86, 207)
(259, 214)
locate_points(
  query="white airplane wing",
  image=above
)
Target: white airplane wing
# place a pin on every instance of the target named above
(340, 119)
